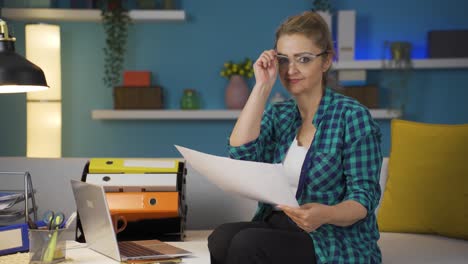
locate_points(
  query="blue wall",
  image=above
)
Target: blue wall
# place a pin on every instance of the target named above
(190, 54)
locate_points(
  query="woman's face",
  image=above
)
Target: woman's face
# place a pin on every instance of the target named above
(299, 70)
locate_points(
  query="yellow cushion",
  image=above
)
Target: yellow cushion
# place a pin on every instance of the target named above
(427, 186)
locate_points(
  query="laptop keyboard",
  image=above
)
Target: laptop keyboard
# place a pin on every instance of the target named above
(131, 249)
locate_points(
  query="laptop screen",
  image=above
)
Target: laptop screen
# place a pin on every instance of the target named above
(92, 206)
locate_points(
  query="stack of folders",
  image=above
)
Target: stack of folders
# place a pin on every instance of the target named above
(149, 194)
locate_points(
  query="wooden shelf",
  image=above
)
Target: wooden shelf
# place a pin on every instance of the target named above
(458, 63)
(85, 15)
(198, 114)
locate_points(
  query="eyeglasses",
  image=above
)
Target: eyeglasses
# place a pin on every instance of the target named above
(299, 59)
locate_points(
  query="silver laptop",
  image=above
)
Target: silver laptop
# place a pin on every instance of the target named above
(97, 226)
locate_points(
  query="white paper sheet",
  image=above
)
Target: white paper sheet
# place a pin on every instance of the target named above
(255, 180)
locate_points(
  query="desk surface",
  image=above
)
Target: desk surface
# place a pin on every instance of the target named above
(79, 254)
(396, 248)
(195, 243)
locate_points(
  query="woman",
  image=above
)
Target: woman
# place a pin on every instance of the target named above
(329, 146)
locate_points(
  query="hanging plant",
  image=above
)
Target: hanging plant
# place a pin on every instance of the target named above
(322, 5)
(115, 20)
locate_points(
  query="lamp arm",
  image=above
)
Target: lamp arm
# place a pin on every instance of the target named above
(4, 34)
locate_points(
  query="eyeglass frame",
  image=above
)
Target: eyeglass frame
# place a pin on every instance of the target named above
(310, 55)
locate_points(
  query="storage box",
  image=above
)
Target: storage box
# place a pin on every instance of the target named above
(138, 97)
(137, 78)
(365, 94)
(448, 44)
(14, 238)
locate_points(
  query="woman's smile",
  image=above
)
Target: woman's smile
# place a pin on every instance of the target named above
(294, 80)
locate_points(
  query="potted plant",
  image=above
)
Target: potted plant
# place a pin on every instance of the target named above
(115, 20)
(324, 9)
(237, 91)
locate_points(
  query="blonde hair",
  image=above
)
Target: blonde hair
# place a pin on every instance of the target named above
(311, 25)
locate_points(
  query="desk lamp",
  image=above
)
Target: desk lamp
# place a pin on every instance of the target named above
(17, 75)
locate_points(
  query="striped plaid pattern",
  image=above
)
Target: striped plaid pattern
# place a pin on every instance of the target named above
(343, 163)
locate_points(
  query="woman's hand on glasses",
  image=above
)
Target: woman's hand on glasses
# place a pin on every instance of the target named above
(266, 68)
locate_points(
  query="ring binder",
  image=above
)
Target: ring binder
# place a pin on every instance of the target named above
(148, 193)
(14, 237)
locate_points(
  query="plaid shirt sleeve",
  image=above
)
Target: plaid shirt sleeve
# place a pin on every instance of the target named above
(260, 148)
(362, 159)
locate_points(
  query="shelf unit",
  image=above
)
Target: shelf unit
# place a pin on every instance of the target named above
(458, 63)
(199, 114)
(86, 15)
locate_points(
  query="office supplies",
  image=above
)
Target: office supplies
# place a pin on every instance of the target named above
(254, 180)
(8, 196)
(116, 165)
(31, 224)
(134, 182)
(70, 220)
(13, 238)
(47, 246)
(148, 193)
(137, 206)
(53, 219)
(96, 220)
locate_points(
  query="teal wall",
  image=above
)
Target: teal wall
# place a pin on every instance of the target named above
(190, 54)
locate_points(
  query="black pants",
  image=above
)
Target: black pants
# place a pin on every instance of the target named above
(276, 240)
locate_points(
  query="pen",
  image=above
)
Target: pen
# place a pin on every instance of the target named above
(70, 220)
(31, 224)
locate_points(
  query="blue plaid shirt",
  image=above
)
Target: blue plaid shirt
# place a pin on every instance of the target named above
(343, 163)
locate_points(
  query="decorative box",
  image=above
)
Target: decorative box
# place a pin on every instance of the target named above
(137, 78)
(138, 97)
(365, 94)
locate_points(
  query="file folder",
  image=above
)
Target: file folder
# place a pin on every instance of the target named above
(163, 182)
(136, 206)
(118, 165)
(14, 238)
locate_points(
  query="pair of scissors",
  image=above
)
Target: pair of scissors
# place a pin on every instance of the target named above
(53, 219)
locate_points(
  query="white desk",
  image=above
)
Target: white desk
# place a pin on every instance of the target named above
(78, 254)
(396, 248)
(195, 243)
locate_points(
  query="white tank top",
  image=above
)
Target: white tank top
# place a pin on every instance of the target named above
(293, 164)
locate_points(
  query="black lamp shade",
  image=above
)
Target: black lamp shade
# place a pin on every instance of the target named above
(17, 74)
(16, 70)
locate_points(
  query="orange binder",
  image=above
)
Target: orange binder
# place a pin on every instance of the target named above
(135, 206)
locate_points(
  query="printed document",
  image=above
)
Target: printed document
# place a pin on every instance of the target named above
(258, 181)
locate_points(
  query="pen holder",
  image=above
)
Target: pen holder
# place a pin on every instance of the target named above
(47, 246)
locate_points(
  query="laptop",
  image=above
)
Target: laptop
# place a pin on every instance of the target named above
(97, 226)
